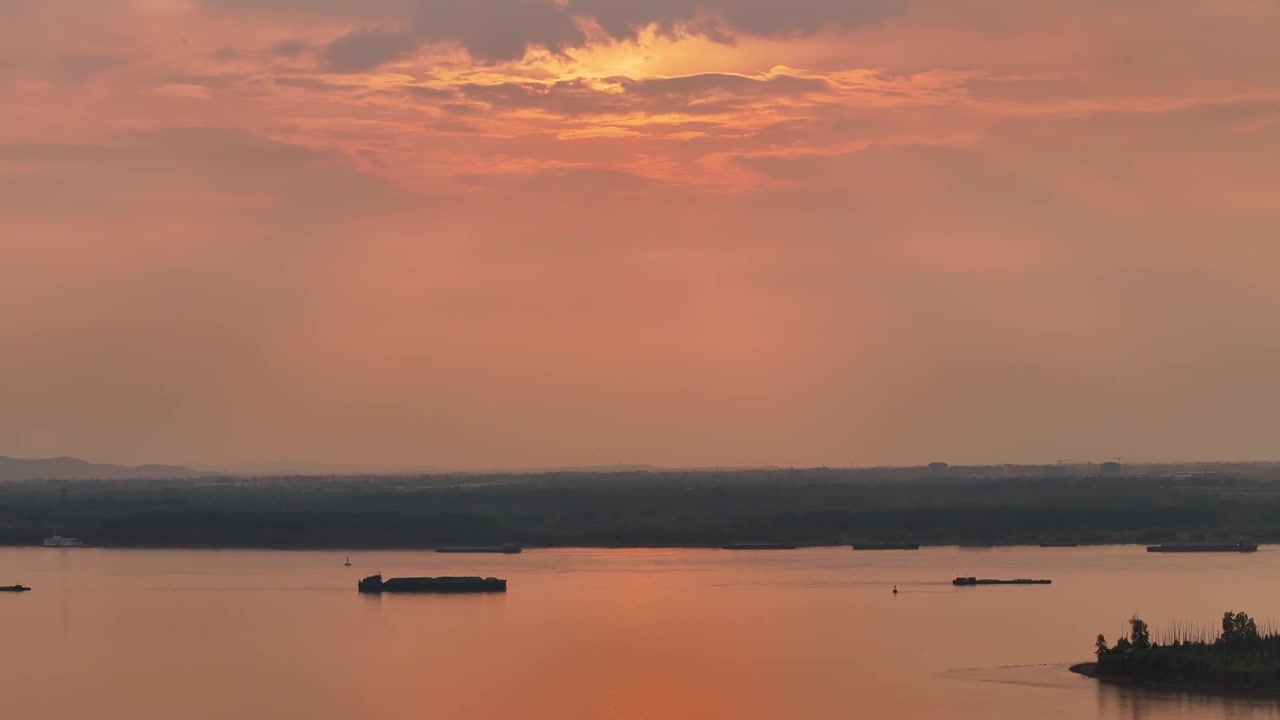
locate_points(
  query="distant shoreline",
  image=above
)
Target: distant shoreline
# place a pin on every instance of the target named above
(91, 544)
(811, 509)
(1089, 670)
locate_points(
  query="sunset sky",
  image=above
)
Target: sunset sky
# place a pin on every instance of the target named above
(525, 233)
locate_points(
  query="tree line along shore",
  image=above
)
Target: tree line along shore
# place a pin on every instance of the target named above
(638, 510)
(1239, 658)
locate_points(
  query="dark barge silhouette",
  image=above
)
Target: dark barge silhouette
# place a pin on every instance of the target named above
(508, 549)
(966, 581)
(14, 588)
(1204, 547)
(375, 584)
(886, 546)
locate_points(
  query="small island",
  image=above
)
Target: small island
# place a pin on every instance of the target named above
(1239, 659)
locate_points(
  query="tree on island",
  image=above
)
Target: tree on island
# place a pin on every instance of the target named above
(1239, 658)
(1139, 634)
(1239, 629)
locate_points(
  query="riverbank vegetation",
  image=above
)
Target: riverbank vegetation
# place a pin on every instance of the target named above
(1238, 657)
(801, 507)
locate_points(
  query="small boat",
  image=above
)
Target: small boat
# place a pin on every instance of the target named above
(1061, 544)
(965, 581)
(759, 546)
(375, 584)
(348, 562)
(59, 541)
(14, 588)
(508, 549)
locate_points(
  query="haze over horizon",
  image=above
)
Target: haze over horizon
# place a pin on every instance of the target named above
(73, 468)
(547, 233)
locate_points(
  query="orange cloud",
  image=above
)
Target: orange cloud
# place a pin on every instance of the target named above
(699, 231)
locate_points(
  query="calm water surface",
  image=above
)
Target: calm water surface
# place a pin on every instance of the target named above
(620, 634)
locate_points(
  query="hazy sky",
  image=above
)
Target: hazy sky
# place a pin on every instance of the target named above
(491, 233)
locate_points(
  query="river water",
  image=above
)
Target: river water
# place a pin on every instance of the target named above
(618, 634)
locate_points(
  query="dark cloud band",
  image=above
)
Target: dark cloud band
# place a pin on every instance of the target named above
(497, 30)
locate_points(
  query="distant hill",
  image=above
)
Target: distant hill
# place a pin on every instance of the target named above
(296, 468)
(616, 469)
(605, 469)
(68, 468)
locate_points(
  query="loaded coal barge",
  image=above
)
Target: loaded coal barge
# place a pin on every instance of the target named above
(507, 549)
(375, 584)
(1205, 547)
(988, 581)
(886, 546)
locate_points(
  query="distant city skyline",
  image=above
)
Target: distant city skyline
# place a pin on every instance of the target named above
(705, 233)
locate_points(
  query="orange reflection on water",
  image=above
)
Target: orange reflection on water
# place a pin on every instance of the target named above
(627, 635)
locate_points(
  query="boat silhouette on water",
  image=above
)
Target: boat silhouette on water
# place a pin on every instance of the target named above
(886, 546)
(1242, 547)
(375, 584)
(508, 549)
(964, 581)
(14, 588)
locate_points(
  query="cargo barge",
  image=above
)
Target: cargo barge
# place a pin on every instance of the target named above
(375, 584)
(507, 549)
(963, 581)
(1205, 547)
(14, 588)
(886, 546)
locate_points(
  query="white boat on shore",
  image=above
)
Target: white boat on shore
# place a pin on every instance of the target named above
(59, 541)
